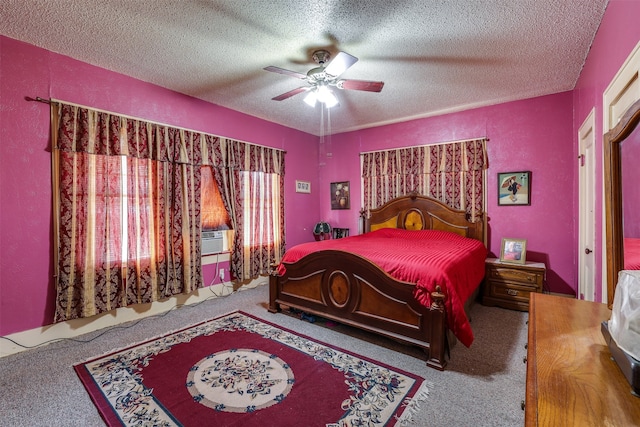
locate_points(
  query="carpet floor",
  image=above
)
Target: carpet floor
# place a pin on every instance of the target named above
(482, 386)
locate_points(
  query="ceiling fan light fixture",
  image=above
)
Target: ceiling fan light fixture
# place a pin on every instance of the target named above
(311, 98)
(326, 96)
(323, 95)
(330, 100)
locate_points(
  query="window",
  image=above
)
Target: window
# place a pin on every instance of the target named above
(261, 210)
(118, 192)
(214, 214)
(124, 211)
(127, 211)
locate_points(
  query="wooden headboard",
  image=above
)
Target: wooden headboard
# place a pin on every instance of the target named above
(414, 212)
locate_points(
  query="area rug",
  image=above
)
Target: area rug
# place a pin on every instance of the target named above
(238, 370)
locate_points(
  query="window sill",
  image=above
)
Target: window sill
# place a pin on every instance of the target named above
(215, 258)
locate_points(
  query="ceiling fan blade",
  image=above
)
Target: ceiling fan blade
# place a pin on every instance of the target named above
(285, 72)
(367, 85)
(291, 93)
(340, 63)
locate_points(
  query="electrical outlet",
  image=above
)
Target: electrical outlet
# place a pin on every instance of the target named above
(222, 275)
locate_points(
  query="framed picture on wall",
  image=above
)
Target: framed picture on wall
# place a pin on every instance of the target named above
(513, 250)
(340, 195)
(514, 188)
(303, 187)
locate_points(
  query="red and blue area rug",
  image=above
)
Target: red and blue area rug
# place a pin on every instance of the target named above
(238, 370)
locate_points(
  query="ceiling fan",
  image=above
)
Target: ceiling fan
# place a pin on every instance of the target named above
(325, 76)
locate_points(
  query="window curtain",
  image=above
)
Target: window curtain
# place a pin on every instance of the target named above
(251, 182)
(452, 173)
(126, 211)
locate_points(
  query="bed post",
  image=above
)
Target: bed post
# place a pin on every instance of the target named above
(273, 290)
(437, 346)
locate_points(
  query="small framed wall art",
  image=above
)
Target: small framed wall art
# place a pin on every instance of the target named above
(513, 250)
(303, 187)
(340, 195)
(514, 188)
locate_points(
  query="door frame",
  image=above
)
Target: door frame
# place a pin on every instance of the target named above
(586, 191)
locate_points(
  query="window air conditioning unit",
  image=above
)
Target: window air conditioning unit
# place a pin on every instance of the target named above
(212, 242)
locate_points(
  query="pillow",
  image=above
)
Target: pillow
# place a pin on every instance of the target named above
(390, 223)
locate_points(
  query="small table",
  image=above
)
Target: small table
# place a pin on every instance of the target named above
(509, 285)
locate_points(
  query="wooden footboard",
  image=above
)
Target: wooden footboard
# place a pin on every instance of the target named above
(349, 289)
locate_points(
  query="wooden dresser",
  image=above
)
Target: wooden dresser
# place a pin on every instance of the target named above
(571, 378)
(508, 285)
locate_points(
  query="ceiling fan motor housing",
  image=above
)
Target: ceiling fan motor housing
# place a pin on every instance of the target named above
(318, 75)
(321, 56)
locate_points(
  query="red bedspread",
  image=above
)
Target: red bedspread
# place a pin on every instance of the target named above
(631, 253)
(426, 258)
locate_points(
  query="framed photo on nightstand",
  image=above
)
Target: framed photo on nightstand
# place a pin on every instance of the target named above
(513, 250)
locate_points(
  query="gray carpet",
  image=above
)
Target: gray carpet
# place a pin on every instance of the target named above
(482, 386)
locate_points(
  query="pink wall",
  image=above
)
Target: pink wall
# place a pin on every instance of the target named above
(534, 134)
(542, 130)
(26, 287)
(630, 153)
(617, 36)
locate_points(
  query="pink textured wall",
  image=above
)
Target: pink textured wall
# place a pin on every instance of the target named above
(26, 286)
(630, 154)
(617, 36)
(534, 134)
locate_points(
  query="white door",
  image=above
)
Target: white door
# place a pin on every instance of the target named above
(586, 245)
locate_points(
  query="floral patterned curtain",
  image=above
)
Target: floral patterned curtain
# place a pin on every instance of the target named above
(126, 211)
(251, 181)
(451, 173)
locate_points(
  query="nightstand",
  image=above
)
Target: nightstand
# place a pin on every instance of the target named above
(508, 285)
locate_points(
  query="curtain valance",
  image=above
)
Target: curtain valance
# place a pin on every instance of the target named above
(462, 156)
(450, 172)
(81, 129)
(252, 158)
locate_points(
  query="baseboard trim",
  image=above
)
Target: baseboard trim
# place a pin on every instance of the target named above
(44, 335)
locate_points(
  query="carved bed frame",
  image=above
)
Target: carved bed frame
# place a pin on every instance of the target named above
(351, 290)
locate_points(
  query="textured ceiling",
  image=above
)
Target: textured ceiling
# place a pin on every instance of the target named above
(435, 56)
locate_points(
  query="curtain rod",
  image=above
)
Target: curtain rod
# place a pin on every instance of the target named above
(424, 145)
(38, 99)
(49, 101)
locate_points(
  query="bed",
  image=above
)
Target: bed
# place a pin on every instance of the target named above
(342, 280)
